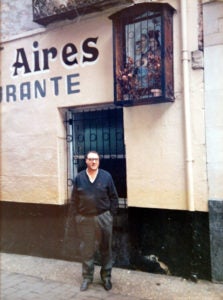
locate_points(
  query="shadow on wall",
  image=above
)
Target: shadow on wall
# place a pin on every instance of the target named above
(150, 240)
(179, 240)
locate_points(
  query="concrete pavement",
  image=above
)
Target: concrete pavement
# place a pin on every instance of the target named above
(33, 278)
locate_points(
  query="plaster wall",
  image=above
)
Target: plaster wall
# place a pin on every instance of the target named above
(33, 151)
(16, 18)
(213, 42)
(33, 143)
(156, 159)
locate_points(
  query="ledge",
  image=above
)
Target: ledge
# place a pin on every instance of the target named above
(45, 12)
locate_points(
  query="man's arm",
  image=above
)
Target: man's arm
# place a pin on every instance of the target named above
(74, 198)
(113, 196)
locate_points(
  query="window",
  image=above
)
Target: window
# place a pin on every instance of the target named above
(143, 44)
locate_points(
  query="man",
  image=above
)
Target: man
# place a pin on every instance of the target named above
(95, 201)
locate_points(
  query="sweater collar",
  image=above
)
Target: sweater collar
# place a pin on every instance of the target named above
(92, 178)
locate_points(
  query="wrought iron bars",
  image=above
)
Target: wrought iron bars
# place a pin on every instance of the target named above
(47, 11)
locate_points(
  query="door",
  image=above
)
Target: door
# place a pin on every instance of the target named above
(101, 131)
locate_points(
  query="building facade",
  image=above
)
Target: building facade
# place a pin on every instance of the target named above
(139, 82)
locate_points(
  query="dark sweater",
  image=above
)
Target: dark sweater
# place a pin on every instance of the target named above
(94, 198)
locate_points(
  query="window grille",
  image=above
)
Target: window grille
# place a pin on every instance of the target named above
(101, 130)
(48, 11)
(143, 44)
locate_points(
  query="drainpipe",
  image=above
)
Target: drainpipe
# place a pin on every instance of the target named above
(187, 110)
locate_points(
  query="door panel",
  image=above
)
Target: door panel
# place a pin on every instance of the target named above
(102, 131)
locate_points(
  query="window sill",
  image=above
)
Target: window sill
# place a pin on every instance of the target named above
(148, 101)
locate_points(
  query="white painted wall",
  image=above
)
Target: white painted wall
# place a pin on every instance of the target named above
(155, 137)
(213, 42)
(33, 143)
(33, 151)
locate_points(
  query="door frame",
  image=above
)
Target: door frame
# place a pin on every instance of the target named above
(113, 160)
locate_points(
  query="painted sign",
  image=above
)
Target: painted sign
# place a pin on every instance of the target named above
(65, 63)
(39, 62)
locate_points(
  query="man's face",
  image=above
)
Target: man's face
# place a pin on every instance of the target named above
(92, 161)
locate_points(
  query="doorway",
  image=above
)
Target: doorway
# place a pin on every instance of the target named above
(100, 130)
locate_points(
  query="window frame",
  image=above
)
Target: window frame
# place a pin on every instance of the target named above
(122, 19)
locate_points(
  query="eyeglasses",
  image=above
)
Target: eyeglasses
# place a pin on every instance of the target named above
(92, 159)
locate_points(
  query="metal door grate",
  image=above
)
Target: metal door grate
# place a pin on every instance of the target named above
(102, 131)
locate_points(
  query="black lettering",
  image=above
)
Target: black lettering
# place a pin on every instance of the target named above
(46, 55)
(69, 54)
(36, 57)
(91, 52)
(23, 63)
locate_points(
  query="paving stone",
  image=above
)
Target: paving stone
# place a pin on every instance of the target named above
(49, 279)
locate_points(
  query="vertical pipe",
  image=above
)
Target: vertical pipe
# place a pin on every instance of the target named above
(187, 108)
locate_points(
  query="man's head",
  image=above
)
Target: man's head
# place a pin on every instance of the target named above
(92, 160)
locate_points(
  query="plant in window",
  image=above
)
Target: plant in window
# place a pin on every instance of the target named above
(143, 54)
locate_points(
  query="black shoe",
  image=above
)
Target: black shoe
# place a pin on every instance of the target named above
(107, 284)
(85, 284)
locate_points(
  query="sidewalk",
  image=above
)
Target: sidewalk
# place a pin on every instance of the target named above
(34, 278)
